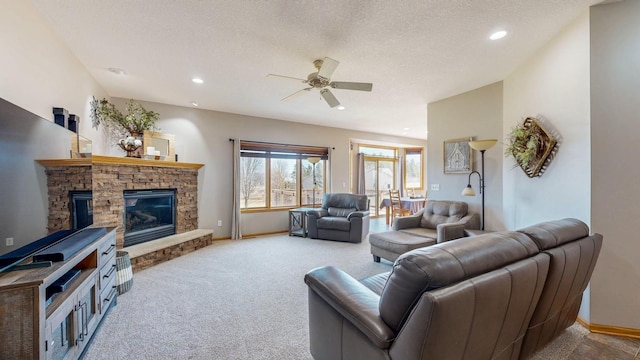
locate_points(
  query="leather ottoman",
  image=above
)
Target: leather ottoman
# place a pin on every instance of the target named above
(391, 244)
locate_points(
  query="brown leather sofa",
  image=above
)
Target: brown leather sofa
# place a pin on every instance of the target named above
(343, 217)
(439, 221)
(501, 295)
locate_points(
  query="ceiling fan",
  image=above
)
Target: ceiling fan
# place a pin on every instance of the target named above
(321, 79)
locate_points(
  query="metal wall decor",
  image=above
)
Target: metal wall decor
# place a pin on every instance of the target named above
(458, 157)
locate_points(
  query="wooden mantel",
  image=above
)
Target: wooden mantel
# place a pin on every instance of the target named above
(100, 159)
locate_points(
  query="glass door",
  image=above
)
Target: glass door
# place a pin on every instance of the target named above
(379, 178)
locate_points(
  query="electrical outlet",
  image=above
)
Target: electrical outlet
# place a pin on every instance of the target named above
(9, 241)
(219, 222)
(435, 187)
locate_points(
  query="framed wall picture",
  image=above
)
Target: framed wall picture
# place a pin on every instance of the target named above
(458, 157)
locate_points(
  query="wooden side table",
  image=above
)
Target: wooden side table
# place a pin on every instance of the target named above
(298, 221)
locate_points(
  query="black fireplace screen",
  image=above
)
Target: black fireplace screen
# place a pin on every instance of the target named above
(149, 215)
(81, 209)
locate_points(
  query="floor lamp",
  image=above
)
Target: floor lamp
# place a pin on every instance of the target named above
(482, 146)
(314, 160)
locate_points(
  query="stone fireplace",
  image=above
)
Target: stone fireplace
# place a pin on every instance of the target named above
(109, 179)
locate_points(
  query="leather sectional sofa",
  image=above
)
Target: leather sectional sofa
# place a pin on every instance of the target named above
(501, 295)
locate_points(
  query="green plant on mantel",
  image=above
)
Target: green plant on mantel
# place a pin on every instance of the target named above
(119, 125)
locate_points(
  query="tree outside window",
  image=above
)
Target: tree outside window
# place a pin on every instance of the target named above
(283, 182)
(276, 176)
(252, 182)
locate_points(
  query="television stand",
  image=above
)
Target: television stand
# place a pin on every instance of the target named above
(52, 312)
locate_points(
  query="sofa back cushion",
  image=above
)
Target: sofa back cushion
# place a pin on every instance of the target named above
(484, 317)
(440, 212)
(444, 264)
(345, 201)
(340, 212)
(555, 233)
(573, 254)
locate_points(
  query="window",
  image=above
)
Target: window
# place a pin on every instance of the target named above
(378, 151)
(274, 176)
(413, 168)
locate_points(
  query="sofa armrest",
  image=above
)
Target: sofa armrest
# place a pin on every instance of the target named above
(405, 222)
(450, 231)
(312, 218)
(456, 230)
(354, 301)
(318, 213)
(359, 214)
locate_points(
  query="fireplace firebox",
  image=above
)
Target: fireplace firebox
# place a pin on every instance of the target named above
(148, 215)
(81, 209)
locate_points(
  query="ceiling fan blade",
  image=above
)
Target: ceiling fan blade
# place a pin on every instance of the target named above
(351, 85)
(296, 94)
(287, 77)
(328, 67)
(329, 98)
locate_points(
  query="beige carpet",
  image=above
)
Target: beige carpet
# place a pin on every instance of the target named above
(241, 299)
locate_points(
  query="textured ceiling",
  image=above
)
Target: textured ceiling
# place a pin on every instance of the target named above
(414, 52)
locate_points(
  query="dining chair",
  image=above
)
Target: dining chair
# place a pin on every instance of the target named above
(396, 204)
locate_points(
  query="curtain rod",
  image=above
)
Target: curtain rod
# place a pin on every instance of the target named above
(262, 142)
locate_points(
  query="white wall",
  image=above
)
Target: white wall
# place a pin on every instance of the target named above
(552, 85)
(615, 125)
(202, 136)
(38, 73)
(477, 114)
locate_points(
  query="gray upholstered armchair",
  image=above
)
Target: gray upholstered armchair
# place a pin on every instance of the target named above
(343, 217)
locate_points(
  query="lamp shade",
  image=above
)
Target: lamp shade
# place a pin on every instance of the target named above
(314, 159)
(482, 144)
(468, 191)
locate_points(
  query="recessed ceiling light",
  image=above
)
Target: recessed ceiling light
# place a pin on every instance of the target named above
(498, 35)
(406, 129)
(340, 107)
(195, 104)
(117, 71)
(197, 80)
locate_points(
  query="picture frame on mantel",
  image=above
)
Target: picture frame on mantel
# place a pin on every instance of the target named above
(458, 156)
(163, 145)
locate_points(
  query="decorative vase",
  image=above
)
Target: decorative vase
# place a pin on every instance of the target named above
(132, 145)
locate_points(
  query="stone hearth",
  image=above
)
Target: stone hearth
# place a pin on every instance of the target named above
(107, 177)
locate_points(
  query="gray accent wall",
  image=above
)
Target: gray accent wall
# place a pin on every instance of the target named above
(477, 114)
(615, 164)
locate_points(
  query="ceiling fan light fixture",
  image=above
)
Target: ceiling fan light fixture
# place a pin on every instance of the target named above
(341, 107)
(321, 79)
(329, 98)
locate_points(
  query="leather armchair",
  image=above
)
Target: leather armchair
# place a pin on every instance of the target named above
(343, 217)
(440, 219)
